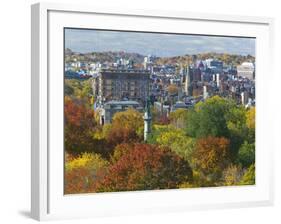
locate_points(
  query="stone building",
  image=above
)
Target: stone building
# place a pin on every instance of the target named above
(109, 108)
(246, 70)
(121, 85)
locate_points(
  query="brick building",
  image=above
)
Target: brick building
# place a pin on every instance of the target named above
(121, 85)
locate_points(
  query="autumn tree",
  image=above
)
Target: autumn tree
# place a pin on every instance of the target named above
(157, 130)
(218, 117)
(178, 118)
(78, 88)
(80, 172)
(232, 175)
(79, 126)
(211, 155)
(90, 161)
(179, 143)
(251, 114)
(250, 122)
(145, 167)
(249, 176)
(86, 90)
(120, 150)
(127, 126)
(77, 181)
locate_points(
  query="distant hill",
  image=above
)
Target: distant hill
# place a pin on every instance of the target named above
(111, 56)
(102, 56)
(226, 58)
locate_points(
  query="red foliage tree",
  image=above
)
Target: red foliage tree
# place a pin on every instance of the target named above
(77, 181)
(144, 167)
(79, 125)
(118, 134)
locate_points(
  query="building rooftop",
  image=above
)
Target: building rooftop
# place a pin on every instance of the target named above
(124, 73)
(249, 65)
(122, 102)
(136, 71)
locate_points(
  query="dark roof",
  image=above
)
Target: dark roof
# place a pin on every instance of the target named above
(124, 74)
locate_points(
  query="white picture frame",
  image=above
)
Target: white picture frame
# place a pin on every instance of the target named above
(47, 199)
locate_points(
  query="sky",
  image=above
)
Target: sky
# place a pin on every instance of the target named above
(162, 45)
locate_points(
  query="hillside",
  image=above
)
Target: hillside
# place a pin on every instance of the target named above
(226, 58)
(110, 56)
(102, 57)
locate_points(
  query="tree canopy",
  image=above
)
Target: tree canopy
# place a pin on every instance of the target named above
(127, 126)
(211, 155)
(209, 118)
(145, 167)
(79, 125)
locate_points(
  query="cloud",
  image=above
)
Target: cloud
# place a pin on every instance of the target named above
(82, 40)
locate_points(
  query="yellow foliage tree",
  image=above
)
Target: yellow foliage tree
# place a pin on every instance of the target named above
(126, 126)
(179, 143)
(250, 118)
(211, 155)
(81, 172)
(90, 161)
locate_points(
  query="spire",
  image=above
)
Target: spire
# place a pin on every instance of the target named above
(147, 119)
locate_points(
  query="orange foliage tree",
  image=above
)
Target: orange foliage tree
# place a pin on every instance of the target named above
(144, 167)
(211, 155)
(78, 181)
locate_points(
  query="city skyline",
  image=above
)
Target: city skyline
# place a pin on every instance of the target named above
(158, 44)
